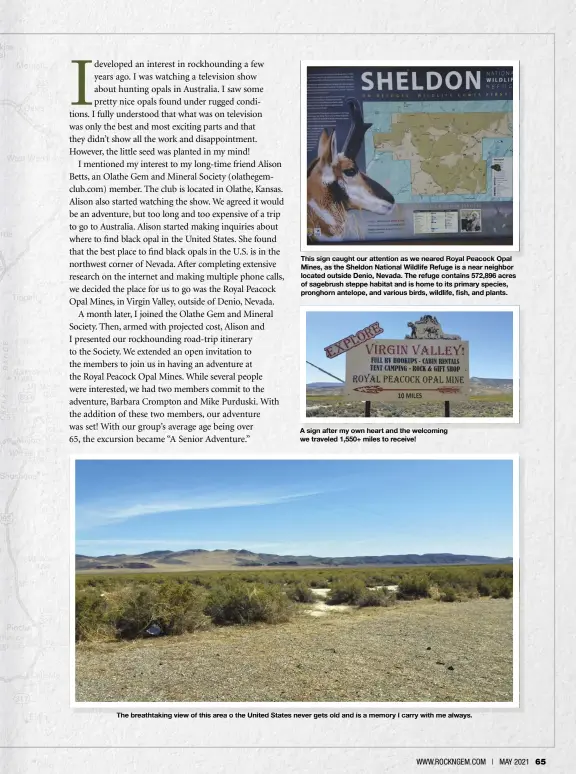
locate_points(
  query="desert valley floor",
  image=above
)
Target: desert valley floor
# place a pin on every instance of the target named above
(418, 651)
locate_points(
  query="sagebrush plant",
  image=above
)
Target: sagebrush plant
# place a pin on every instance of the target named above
(448, 594)
(346, 593)
(376, 598)
(300, 592)
(501, 588)
(466, 576)
(242, 603)
(125, 605)
(133, 608)
(92, 622)
(128, 611)
(414, 587)
(483, 587)
(181, 608)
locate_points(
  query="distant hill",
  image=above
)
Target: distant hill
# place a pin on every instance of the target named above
(503, 385)
(479, 386)
(323, 385)
(201, 559)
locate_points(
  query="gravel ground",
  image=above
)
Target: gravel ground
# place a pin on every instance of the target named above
(415, 651)
(475, 408)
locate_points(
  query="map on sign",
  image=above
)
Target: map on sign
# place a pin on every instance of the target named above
(434, 152)
(419, 154)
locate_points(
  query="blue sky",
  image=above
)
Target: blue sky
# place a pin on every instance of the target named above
(321, 507)
(490, 335)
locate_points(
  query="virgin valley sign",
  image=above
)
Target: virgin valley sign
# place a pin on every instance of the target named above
(432, 368)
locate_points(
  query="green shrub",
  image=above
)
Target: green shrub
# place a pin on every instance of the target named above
(125, 605)
(346, 593)
(376, 598)
(414, 587)
(448, 594)
(501, 588)
(495, 586)
(133, 608)
(300, 593)
(240, 603)
(484, 588)
(126, 612)
(91, 619)
(498, 571)
(181, 608)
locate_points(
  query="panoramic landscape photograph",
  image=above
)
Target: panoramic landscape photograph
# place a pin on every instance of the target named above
(466, 358)
(340, 580)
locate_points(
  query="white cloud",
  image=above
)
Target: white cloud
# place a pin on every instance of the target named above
(106, 512)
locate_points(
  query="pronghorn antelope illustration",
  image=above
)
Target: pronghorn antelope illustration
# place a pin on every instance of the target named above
(335, 184)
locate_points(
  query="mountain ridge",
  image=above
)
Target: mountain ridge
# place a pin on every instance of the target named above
(224, 559)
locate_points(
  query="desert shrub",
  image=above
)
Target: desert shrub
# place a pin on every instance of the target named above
(240, 603)
(498, 571)
(501, 588)
(181, 608)
(376, 598)
(346, 593)
(196, 581)
(91, 615)
(414, 587)
(125, 605)
(378, 580)
(448, 594)
(250, 578)
(300, 593)
(495, 586)
(127, 611)
(133, 608)
(464, 580)
(483, 587)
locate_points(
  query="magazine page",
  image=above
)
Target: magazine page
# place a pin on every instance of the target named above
(278, 391)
